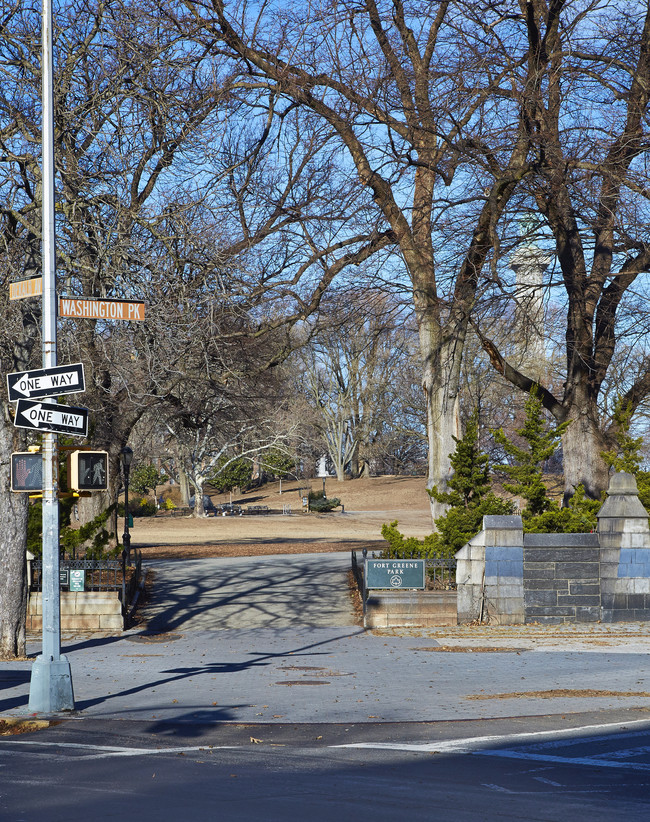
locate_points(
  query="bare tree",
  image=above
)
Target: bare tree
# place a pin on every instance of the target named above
(158, 199)
(588, 142)
(404, 88)
(360, 343)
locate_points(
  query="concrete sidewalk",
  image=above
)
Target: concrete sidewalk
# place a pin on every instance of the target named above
(280, 665)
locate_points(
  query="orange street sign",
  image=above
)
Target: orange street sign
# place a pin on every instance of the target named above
(92, 309)
(33, 287)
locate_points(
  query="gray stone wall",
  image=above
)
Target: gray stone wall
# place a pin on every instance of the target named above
(506, 578)
(490, 573)
(561, 578)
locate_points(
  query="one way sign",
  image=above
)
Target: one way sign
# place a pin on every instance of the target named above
(47, 416)
(46, 382)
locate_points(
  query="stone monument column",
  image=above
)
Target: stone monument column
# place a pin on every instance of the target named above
(529, 263)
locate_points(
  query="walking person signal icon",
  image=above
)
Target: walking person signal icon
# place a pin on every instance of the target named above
(88, 471)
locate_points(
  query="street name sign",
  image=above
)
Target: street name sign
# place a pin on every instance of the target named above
(46, 382)
(394, 573)
(52, 417)
(33, 287)
(95, 309)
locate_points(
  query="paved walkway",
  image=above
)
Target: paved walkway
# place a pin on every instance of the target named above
(277, 591)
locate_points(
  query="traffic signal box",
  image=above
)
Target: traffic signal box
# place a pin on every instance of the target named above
(88, 471)
(27, 471)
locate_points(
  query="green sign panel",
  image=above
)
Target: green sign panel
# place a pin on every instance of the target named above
(394, 573)
(77, 580)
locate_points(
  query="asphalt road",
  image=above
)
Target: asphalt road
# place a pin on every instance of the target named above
(115, 771)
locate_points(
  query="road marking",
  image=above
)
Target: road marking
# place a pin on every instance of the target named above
(477, 744)
(592, 762)
(547, 781)
(107, 751)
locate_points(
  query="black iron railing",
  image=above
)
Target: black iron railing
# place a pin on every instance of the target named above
(100, 575)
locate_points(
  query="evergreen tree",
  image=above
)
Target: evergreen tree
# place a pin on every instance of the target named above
(526, 472)
(469, 498)
(542, 514)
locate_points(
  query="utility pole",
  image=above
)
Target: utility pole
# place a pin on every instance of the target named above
(50, 687)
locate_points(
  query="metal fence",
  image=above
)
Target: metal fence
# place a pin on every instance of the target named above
(100, 574)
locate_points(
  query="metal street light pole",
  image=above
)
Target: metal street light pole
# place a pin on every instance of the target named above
(50, 687)
(127, 456)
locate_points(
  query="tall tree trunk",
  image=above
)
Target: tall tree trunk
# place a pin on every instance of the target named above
(582, 446)
(440, 378)
(199, 511)
(184, 485)
(13, 542)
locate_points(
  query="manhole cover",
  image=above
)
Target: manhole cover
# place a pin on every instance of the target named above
(154, 637)
(304, 682)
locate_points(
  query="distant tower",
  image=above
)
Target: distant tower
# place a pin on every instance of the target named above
(529, 263)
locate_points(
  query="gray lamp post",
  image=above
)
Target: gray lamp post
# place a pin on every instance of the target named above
(127, 457)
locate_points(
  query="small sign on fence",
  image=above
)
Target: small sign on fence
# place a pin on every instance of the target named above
(77, 580)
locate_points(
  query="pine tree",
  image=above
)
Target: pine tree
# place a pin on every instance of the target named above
(471, 479)
(542, 514)
(526, 471)
(469, 497)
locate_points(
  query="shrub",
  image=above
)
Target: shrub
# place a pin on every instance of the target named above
(72, 539)
(321, 504)
(145, 478)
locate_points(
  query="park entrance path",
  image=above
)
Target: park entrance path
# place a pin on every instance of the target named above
(277, 591)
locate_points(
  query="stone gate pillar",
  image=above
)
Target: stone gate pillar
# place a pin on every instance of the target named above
(624, 553)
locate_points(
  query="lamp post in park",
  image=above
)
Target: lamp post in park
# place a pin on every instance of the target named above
(127, 457)
(50, 687)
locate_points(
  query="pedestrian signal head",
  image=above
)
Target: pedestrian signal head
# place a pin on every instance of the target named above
(88, 471)
(26, 471)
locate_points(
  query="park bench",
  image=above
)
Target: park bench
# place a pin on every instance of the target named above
(257, 509)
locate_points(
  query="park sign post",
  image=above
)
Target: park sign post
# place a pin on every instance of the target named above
(394, 573)
(50, 687)
(46, 382)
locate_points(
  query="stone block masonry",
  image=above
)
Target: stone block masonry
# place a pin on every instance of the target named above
(625, 553)
(80, 611)
(506, 577)
(561, 578)
(411, 609)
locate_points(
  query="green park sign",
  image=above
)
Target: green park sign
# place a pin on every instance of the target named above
(394, 573)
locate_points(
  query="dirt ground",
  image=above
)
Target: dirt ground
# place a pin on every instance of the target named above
(367, 504)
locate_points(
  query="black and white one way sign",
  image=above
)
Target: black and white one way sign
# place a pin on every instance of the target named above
(46, 382)
(48, 416)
